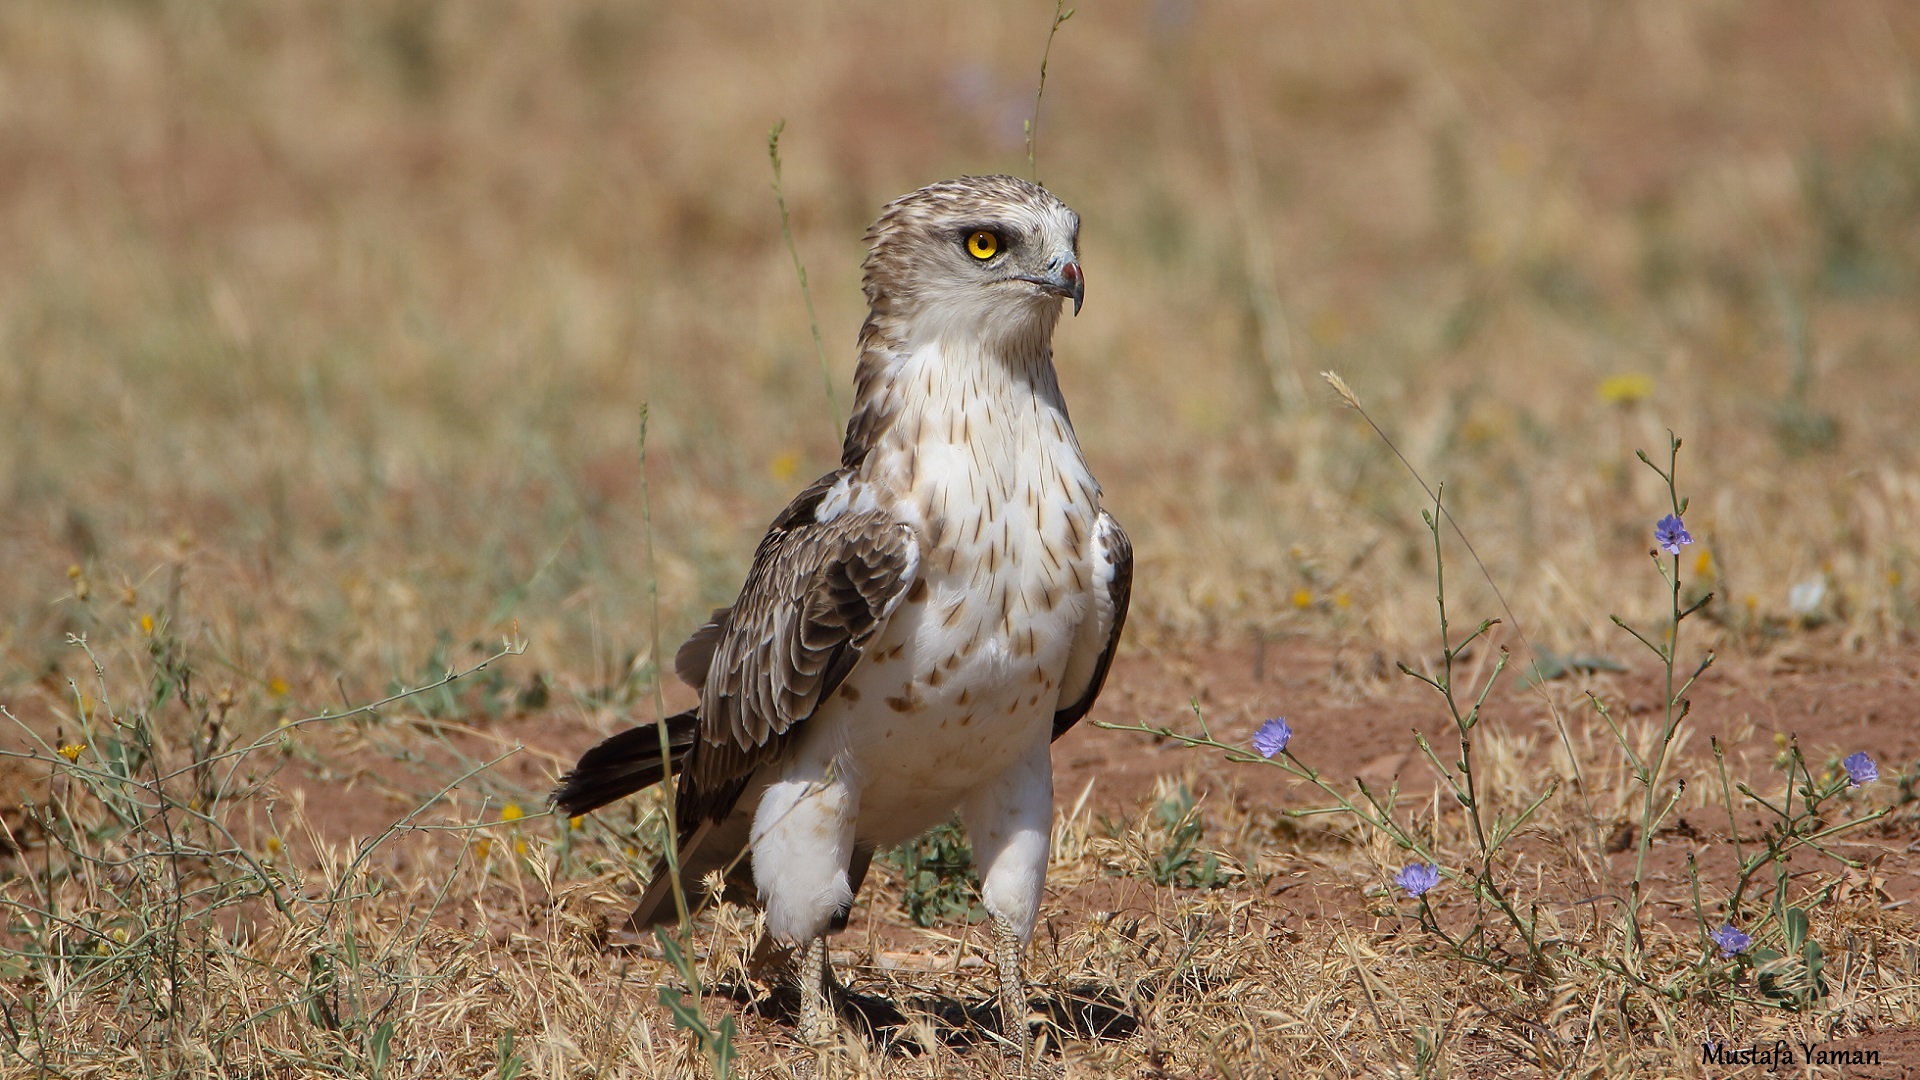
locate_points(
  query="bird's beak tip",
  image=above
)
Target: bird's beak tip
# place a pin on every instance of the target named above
(1066, 282)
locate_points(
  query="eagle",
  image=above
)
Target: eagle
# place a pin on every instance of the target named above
(918, 625)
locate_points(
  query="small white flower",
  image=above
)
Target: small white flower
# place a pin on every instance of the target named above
(1805, 598)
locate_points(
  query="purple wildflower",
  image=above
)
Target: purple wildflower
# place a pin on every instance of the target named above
(1860, 769)
(1731, 941)
(1669, 533)
(1417, 878)
(1272, 737)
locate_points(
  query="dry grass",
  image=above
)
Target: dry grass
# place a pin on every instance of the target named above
(182, 914)
(327, 328)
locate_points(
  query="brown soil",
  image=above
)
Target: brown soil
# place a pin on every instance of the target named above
(1353, 714)
(1352, 711)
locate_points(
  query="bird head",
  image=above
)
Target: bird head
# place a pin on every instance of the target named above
(982, 254)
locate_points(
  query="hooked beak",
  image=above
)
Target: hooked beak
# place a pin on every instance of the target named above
(1065, 281)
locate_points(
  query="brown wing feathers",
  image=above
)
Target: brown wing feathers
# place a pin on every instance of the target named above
(842, 604)
(814, 598)
(696, 656)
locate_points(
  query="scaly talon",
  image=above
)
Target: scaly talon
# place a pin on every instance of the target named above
(1007, 953)
(817, 1020)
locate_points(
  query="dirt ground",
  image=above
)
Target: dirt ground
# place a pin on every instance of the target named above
(1354, 715)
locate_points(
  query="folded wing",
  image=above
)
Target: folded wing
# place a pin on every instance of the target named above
(1099, 634)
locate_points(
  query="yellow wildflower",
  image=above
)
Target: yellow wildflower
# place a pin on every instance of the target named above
(519, 847)
(1302, 599)
(1327, 328)
(576, 821)
(1703, 563)
(72, 751)
(146, 625)
(1479, 430)
(784, 466)
(512, 812)
(1626, 389)
(483, 848)
(278, 687)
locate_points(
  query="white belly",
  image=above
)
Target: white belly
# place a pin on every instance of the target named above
(937, 710)
(954, 699)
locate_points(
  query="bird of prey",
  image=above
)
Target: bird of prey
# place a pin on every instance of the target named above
(919, 624)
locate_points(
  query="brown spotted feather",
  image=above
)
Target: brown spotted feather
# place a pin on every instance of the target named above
(814, 597)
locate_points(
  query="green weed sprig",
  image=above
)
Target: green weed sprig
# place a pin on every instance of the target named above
(1670, 535)
(148, 839)
(1460, 778)
(716, 1042)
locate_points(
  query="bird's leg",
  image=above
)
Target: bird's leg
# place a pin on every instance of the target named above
(1008, 950)
(816, 1003)
(1010, 822)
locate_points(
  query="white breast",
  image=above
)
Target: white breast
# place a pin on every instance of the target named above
(967, 674)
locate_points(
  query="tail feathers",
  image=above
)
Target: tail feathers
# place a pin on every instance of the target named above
(711, 846)
(625, 763)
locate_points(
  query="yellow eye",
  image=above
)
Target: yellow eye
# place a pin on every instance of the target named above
(983, 245)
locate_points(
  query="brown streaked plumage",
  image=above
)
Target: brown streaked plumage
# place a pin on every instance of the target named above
(918, 625)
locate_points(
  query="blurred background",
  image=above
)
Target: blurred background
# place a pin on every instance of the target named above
(326, 329)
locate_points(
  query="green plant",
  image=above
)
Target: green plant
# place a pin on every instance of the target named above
(1670, 535)
(1379, 811)
(147, 865)
(938, 872)
(1179, 860)
(1789, 970)
(507, 1063)
(716, 1040)
(1794, 978)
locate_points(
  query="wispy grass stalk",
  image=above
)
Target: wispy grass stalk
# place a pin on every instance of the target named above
(716, 1041)
(800, 271)
(1061, 14)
